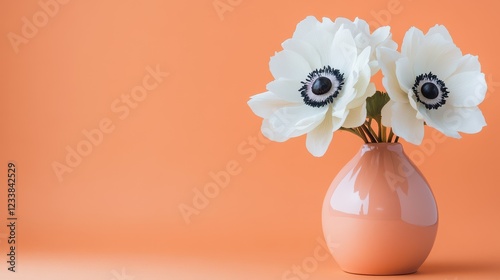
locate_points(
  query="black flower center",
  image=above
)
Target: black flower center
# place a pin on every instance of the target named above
(430, 91)
(321, 86)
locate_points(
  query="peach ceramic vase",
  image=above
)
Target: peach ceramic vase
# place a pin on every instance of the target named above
(379, 214)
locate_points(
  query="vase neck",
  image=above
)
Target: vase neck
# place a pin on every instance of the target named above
(382, 147)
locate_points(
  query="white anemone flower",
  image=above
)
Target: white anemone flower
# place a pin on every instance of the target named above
(431, 82)
(322, 80)
(360, 30)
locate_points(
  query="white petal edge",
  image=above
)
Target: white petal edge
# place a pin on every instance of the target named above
(304, 27)
(411, 41)
(405, 74)
(286, 89)
(293, 121)
(356, 117)
(473, 120)
(450, 120)
(289, 64)
(318, 140)
(343, 51)
(405, 123)
(468, 63)
(436, 55)
(466, 89)
(387, 59)
(387, 114)
(440, 29)
(304, 49)
(265, 104)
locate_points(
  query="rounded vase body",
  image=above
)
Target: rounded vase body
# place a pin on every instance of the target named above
(379, 214)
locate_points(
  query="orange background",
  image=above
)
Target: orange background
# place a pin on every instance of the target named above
(119, 208)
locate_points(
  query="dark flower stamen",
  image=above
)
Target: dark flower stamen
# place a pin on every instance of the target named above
(322, 86)
(430, 91)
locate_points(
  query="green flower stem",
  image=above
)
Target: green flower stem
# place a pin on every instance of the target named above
(369, 131)
(372, 133)
(380, 131)
(368, 134)
(351, 130)
(374, 106)
(384, 134)
(361, 134)
(369, 124)
(391, 134)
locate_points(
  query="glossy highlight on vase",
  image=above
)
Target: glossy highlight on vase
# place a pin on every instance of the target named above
(379, 214)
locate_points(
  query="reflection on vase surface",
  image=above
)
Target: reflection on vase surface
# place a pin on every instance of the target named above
(379, 214)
